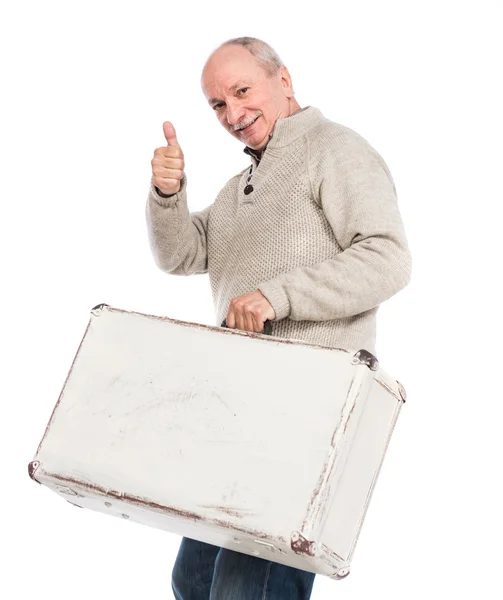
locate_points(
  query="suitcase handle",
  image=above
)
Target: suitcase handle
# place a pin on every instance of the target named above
(267, 327)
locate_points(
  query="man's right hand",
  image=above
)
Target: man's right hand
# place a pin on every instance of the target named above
(168, 163)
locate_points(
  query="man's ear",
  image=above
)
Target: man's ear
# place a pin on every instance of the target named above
(286, 82)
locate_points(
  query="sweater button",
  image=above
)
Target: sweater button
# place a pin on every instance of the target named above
(248, 189)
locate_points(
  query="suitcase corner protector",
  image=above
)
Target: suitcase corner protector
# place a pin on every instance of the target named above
(32, 468)
(364, 357)
(402, 392)
(301, 545)
(96, 310)
(341, 573)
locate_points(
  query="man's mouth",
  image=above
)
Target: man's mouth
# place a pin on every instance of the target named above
(248, 126)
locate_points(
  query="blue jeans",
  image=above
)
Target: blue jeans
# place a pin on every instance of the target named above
(206, 572)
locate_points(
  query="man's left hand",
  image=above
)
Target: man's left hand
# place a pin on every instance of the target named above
(249, 312)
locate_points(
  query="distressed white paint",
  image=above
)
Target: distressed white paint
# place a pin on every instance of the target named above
(236, 430)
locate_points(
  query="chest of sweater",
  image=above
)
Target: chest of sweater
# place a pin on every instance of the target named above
(275, 228)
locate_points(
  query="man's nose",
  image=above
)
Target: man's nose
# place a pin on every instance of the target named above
(235, 113)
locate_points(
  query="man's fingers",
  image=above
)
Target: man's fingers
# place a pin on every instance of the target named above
(230, 320)
(166, 183)
(170, 134)
(244, 320)
(259, 325)
(240, 323)
(174, 155)
(250, 324)
(235, 319)
(249, 312)
(165, 173)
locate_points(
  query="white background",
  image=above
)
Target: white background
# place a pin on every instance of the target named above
(85, 89)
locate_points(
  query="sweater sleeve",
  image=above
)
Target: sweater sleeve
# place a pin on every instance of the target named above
(177, 238)
(355, 190)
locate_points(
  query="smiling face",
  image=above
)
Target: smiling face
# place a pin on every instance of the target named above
(242, 94)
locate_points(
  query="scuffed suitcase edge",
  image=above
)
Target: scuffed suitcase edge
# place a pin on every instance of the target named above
(381, 375)
(31, 469)
(63, 389)
(343, 569)
(374, 481)
(65, 485)
(73, 484)
(338, 451)
(362, 357)
(229, 331)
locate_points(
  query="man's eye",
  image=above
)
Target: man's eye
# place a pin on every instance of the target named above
(242, 89)
(217, 106)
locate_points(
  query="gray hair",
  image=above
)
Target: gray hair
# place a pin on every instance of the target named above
(265, 54)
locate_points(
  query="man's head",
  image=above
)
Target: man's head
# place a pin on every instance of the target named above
(245, 81)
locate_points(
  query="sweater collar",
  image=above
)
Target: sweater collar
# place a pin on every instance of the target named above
(288, 129)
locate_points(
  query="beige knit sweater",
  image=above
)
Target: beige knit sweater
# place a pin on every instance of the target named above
(320, 235)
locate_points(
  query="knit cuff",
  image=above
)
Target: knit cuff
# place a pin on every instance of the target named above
(168, 201)
(276, 297)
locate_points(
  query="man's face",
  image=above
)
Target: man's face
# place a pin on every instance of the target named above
(242, 94)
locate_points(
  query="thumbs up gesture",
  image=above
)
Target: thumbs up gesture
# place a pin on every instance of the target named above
(168, 163)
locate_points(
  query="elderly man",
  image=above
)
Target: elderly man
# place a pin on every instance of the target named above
(309, 236)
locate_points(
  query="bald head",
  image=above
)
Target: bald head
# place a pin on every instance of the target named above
(265, 54)
(249, 88)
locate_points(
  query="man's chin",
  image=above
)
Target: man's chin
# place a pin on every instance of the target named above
(252, 142)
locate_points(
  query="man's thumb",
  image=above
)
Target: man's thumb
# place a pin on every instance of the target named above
(170, 134)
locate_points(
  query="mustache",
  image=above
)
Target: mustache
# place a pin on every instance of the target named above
(246, 122)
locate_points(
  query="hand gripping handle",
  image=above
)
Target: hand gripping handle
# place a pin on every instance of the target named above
(267, 327)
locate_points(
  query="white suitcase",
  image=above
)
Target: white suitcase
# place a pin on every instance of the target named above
(259, 444)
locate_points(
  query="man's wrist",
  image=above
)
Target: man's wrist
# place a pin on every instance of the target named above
(163, 195)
